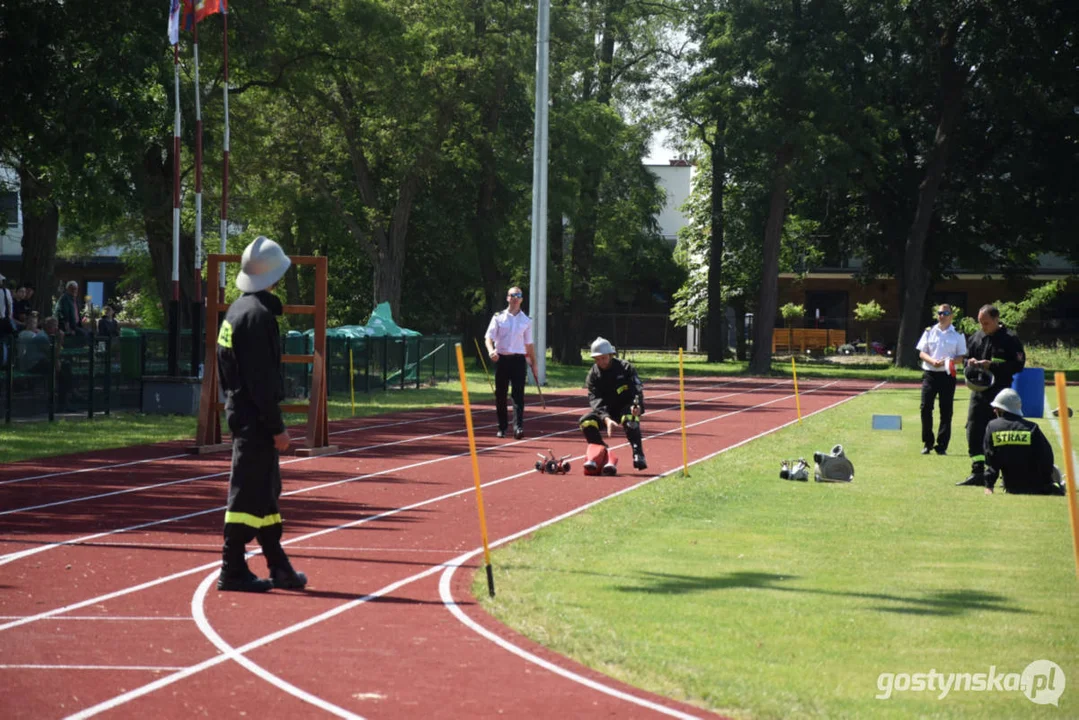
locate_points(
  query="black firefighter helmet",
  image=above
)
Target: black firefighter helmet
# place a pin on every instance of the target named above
(978, 379)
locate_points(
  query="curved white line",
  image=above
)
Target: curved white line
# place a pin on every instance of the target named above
(198, 610)
(446, 593)
(333, 612)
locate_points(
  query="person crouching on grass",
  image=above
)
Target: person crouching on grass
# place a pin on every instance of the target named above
(249, 372)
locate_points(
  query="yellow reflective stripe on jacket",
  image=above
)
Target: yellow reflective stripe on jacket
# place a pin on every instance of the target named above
(240, 518)
(622, 389)
(589, 423)
(977, 458)
(224, 338)
(1011, 437)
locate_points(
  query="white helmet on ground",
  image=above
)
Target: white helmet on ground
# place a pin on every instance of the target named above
(602, 346)
(263, 264)
(1009, 401)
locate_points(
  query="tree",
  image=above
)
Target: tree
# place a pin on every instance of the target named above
(869, 313)
(790, 313)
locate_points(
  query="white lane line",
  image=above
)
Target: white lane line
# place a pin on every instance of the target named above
(355, 523)
(446, 582)
(17, 555)
(224, 473)
(121, 618)
(232, 653)
(150, 668)
(217, 546)
(112, 466)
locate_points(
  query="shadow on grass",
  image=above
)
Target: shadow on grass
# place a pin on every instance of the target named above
(940, 603)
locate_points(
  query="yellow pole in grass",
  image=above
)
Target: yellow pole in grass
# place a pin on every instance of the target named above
(682, 402)
(484, 363)
(351, 380)
(1069, 465)
(797, 400)
(475, 469)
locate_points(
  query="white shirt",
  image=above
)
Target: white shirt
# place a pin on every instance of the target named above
(511, 333)
(941, 345)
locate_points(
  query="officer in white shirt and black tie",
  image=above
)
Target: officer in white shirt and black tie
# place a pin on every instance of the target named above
(941, 349)
(509, 344)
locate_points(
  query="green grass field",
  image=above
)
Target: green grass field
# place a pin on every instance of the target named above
(762, 598)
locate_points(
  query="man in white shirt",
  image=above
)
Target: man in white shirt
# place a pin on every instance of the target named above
(941, 349)
(8, 327)
(509, 344)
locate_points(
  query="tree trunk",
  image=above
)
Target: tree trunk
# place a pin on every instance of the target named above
(156, 180)
(584, 236)
(916, 274)
(41, 225)
(716, 318)
(765, 319)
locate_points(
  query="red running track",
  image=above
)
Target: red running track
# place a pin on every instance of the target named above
(107, 602)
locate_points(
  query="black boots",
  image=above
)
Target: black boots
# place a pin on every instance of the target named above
(976, 477)
(235, 575)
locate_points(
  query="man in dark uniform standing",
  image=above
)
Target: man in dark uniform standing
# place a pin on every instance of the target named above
(1018, 450)
(249, 370)
(997, 349)
(614, 391)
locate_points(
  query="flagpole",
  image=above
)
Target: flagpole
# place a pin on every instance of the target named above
(174, 305)
(196, 305)
(225, 167)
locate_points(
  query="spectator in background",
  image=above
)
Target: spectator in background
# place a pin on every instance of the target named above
(42, 343)
(67, 310)
(107, 325)
(32, 350)
(8, 328)
(941, 349)
(23, 307)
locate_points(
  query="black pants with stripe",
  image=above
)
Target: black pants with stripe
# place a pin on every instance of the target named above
(252, 512)
(937, 385)
(510, 370)
(593, 428)
(979, 413)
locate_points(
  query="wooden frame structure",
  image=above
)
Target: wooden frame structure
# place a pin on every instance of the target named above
(208, 438)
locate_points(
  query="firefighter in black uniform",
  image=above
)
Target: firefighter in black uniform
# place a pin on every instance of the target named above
(614, 391)
(1017, 450)
(997, 349)
(249, 371)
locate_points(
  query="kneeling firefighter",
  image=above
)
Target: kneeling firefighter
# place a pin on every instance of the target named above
(614, 391)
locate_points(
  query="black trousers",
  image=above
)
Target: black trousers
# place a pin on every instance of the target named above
(937, 385)
(254, 489)
(510, 369)
(593, 427)
(979, 413)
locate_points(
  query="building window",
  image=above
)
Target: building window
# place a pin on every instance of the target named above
(1061, 317)
(827, 309)
(9, 208)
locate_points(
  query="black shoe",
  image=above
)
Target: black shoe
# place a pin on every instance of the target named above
(288, 579)
(610, 469)
(940, 451)
(519, 433)
(975, 479)
(591, 466)
(925, 451)
(243, 583)
(500, 434)
(638, 461)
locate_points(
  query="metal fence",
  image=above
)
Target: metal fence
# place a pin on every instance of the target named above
(87, 376)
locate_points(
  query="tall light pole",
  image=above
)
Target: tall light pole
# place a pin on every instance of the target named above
(537, 286)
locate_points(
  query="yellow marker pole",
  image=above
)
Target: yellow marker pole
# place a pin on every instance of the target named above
(797, 399)
(682, 402)
(1069, 465)
(475, 468)
(351, 380)
(484, 363)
